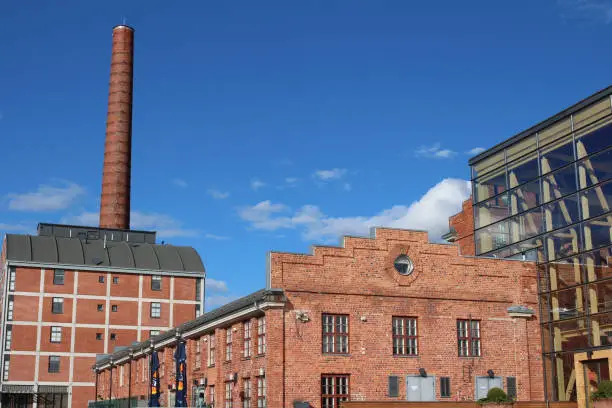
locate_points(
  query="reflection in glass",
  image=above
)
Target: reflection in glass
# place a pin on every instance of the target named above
(525, 197)
(569, 334)
(594, 141)
(598, 232)
(567, 273)
(560, 183)
(597, 200)
(526, 225)
(523, 170)
(601, 323)
(492, 237)
(556, 156)
(564, 304)
(596, 264)
(595, 169)
(559, 368)
(562, 243)
(561, 213)
(600, 297)
(491, 211)
(490, 185)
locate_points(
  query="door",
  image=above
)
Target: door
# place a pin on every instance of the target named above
(484, 384)
(420, 388)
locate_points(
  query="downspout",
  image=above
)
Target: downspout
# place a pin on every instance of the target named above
(110, 387)
(130, 379)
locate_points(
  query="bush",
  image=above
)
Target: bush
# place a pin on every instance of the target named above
(604, 390)
(495, 395)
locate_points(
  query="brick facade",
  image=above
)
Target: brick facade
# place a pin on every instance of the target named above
(463, 224)
(359, 281)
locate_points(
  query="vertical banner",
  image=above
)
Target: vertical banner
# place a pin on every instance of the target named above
(180, 356)
(154, 383)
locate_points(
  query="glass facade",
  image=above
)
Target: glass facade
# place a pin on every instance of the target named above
(547, 198)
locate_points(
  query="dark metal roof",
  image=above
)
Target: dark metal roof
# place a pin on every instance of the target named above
(542, 125)
(76, 251)
(206, 318)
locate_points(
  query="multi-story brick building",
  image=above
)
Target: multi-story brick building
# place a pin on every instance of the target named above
(67, 299)
(388, 317)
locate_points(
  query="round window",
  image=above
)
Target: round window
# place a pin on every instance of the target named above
(403, 265)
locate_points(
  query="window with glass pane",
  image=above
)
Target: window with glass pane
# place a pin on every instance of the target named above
(246, 400)
(9, 313)
(261, 335)
(569, 334)
(558, 184)
(565, 304)
(9, 337)
(198, 289)
(602, 329)
(523, 170)
(156, 282)
(229, 399)
(155, 310)
(562, 274)
(597, 200)
(211, 350)
(228, 344)
(596, 264)
(335, 334)
(557, 155)
(597, 232)
(595, 169)
(211, 396)
(57, 306)
(54, 364)
(563, 243)
(524, 197)
(594, 141)
(490, 184)
(12, 279)
(56, 334)
(491, 211)
(6, 368)
(488, 165)
(562, 212)
(334, 390)
(526, 225)
(58, 277)
(246, 329)
(405, 336)
(468, 338)
(261, 392)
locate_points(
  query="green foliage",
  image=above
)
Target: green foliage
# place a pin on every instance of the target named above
(495, 395)
(604, 390)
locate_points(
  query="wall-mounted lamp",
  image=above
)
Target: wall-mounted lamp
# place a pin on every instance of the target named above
(490, 373)
(422, 372)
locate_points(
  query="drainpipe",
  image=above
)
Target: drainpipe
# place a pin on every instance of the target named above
(110, 387)
(130, 378)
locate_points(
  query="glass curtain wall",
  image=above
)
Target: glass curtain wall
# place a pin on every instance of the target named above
(547, 198)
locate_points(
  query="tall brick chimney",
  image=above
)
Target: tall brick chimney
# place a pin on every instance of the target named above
(116, 175)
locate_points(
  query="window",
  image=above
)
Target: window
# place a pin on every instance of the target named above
(115, 280)
(246, 399)
(113, 336)
(54, 364)
(211, 350)
(261, 392)
(445, 387)
(58, 277)
(198, 312)
(9, 337)
(228, 344)
(153, 333)
(114, 308)
(334, 390)
(57, 306)
(393, 386)
(511, 387)
(405, 336)
(101, 279)
(335, 334)
(156, 282)
(198, 289)
(198, 353)
(261, 335)
(156, 310)
(246, 326)
(229, 402)
(56, 334)
(98, 336)
(403, 265)
(9, 313)
(211, 396)
(12, 279)
(5, 372)
(468, 338)
(100, 307)
(121, 374)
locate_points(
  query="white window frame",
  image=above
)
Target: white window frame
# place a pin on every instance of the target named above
(5, 369)
(229, 391)
(156, 278)
(212, 349)
(8, 338)
(12, 278)
(261, 335)
(247, 334)
(246, 401)
(261, 392)
(228, 344)
(156, 306)
(9, 313)
(58, 300)
(121, 374)
(55, 337)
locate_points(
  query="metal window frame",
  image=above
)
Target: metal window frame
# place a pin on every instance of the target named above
(51, 334)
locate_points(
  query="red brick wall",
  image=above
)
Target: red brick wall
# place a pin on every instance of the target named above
(25, 308)
(463, 223)
(21, 368)
(89, 284)
(127, 286)
(126, 314)
(163, 320)
(82, 369)
(49, 316)
(27, 279)
(87, 310)
(85, 340)
(45, 375)
(50, 287)
(164, 293)
(183, 313)
(45, 340)
(24, 338)
(81, 395)
(184, 288)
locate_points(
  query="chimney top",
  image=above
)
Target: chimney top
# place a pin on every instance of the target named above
(123, 26)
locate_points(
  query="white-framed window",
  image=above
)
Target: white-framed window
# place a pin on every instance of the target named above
(261, 392)
(121, 374)
(211, 396)
(229, 400)
(9, 312)
(198, 353)
(9, 337)
(156, 283)
(468, 338)
(58, 277)
(57, 305)
(156, 310)
(54, 364)
(404, 333)
(153, 333)
(12, 278)
(56, 334)
(228, 344)
(246, 351)
(5, 370)
(261, 335)
(246, 401)
(211, 350)
(334, 390)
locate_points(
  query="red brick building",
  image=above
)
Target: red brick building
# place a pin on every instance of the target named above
(66, 300)
(388, 317)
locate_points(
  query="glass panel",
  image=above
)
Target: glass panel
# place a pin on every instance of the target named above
(523, 170)
(521, 148)
(600, 297)
(525, 197)
(595, 169)
(526, 225)
(598, 232)
(490, 185)
(488, 164)
(597, 200)
(601, 324)
(491, 211)
(564, 304)
(531, 250)
(593, 140)
(594, 372)
(558, 184)
(569, 334)
(561, 213)
(561, 274)
(597, 264)
(492, 237)
(546, 337)
(557, 155)
(562, 243)
(592, 113)
(559, 368)
(555, 131)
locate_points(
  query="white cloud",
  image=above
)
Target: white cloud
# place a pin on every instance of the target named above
(476, 150)
(180, 183)
(291, 180)
(347, 187)
(435, 152)
(599, 11)
(214, 301)
(214, 285)
(429, 213)
(216, 237)
(332, 174)
(15, 228)
(218, 195)
(46, 198)
(165, 225)
(257, 184)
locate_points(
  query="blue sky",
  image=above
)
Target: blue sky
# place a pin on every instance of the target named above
(273, 125)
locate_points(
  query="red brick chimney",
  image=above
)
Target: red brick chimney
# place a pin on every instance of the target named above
(116, 175)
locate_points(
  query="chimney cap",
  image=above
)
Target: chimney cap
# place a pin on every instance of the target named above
(123, 26)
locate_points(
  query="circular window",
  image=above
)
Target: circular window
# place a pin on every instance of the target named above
(403, 265)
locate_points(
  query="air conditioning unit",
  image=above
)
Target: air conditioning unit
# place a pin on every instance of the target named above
(262, 371)
(204, 381)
